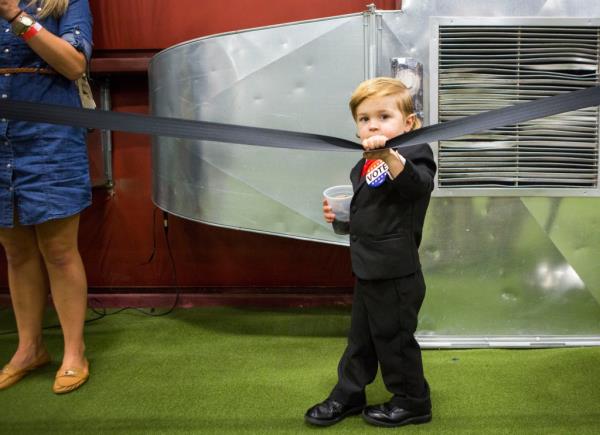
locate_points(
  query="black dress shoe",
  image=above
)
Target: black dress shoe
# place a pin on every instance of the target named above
(390, 415)
(330, 412)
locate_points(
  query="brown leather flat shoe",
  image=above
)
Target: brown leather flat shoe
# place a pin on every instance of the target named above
(11, 375)
(70, 379)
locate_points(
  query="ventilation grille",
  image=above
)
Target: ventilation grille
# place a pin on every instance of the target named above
(483, 68)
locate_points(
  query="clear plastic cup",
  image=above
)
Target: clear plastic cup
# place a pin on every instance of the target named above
(339, 198)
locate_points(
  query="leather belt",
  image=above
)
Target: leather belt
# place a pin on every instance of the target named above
(27, 70)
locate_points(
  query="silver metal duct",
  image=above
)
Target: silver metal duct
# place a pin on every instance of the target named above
(504, 267)
(288, 77)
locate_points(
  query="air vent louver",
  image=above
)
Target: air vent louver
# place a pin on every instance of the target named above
(488, 67)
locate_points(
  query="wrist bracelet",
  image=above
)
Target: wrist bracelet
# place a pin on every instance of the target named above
(15, 17)
(32, 31)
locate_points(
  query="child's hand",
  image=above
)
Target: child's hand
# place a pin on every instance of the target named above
(374, 142)
(372, 145)
(327, 213)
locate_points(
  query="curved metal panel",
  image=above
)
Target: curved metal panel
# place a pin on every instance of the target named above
(288, 77)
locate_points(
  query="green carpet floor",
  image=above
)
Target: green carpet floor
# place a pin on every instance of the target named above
(225, 370)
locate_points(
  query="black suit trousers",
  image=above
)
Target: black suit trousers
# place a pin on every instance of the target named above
(384, 320)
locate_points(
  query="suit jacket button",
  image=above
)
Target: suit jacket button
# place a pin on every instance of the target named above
(354, 238)
(353, 210)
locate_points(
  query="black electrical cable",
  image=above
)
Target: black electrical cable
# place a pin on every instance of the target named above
(150, 259)
(153, 253)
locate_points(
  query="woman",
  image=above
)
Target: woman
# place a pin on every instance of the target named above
(44, 181)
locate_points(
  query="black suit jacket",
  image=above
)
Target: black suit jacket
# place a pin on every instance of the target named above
(386, 222)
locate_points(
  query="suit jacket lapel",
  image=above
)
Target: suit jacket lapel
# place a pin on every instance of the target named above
(356, 179)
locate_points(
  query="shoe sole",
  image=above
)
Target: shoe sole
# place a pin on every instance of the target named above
(413, 420)
(317, 422)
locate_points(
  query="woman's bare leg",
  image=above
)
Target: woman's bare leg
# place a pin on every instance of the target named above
(28, 285)
(57, 241)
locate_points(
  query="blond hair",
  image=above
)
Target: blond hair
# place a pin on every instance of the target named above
(384, 87)
(56, 8)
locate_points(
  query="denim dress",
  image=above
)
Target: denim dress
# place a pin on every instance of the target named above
(44, 171)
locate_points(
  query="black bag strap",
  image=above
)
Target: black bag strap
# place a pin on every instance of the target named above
(229, 133)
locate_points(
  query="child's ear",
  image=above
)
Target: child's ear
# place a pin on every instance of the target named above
(409, 123)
